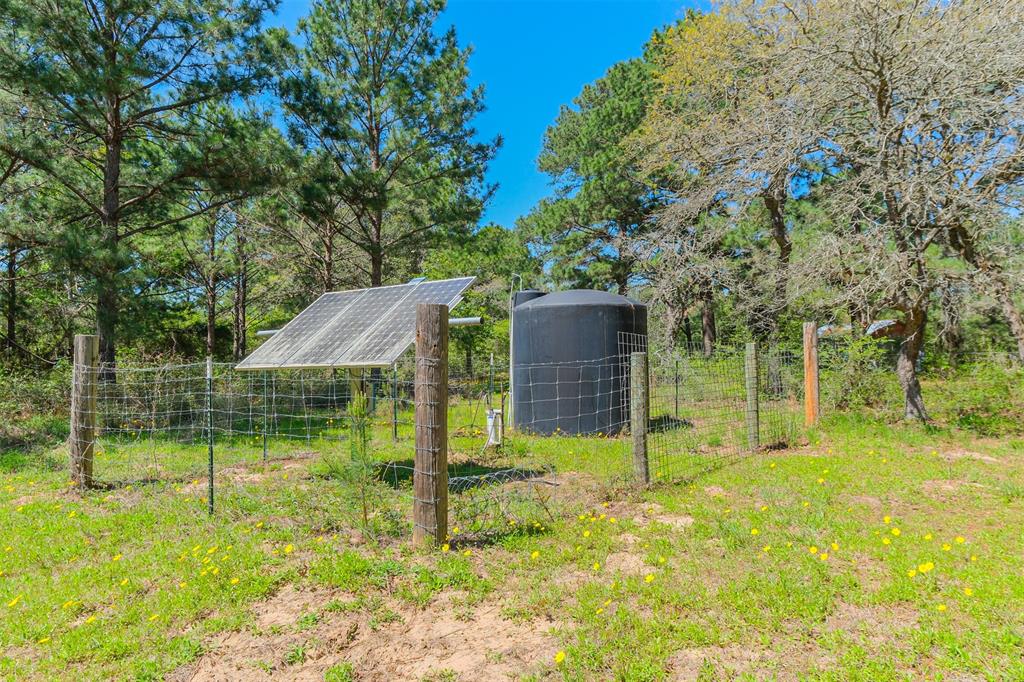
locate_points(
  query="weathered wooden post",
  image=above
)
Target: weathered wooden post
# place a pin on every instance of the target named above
(430, 476)
(811, 406)
(83, 408)
(638, 415)
(752, 415)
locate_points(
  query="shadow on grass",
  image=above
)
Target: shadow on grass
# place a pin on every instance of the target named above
(461, 477)
(667, 422)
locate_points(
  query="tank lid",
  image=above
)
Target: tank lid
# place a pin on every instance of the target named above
(520, 297)
(581, 297)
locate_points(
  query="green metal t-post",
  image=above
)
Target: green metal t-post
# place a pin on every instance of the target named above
(750, 372)
(209, 430)
(394, 403)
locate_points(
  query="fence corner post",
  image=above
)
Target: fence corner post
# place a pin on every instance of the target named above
(750, 372)
(638, 415)
(82, 440)
(430, 471)
(812, 408)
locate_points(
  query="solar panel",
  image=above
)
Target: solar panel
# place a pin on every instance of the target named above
(306, 324)
(349, 327)
(394, 333)
(360, 328)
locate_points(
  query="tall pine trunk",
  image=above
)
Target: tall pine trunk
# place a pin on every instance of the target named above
(240, 306)
(707, 323)
(11, 310)
(906, 364)
(211, 291)
(107, 284)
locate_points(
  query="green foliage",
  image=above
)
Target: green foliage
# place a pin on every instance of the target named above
(495, 256)
(131, 110)
(856, 374)
(342, 672)
(380, 103)
(589, 233)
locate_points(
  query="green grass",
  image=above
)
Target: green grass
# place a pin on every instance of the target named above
(133, 582)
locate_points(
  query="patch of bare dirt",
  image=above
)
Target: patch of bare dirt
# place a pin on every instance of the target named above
(475, 645)
(288, 605)
(715, 490)
(945, 488)
(629, 538)
(679, 521)
(959, 453)
(282, 469)
(871, 573)
(875, 623)
(624, 562)
(865, 501)
(791, 661)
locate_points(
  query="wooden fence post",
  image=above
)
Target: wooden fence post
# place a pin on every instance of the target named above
(811, 406)
(430, 475)
(752, 416)
(83, 408)
(638, 415)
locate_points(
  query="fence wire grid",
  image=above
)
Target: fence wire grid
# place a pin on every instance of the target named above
(215, 434)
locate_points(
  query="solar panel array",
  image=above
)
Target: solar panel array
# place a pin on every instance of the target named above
(360, 328)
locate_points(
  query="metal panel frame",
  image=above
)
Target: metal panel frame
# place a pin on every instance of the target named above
(357, 346)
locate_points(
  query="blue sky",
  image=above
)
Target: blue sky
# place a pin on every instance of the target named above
(533, 56)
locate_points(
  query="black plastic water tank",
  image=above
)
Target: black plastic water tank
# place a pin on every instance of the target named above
(567, 372)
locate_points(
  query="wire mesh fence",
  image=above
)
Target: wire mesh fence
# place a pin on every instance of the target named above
(215, 433)
(702, 413)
